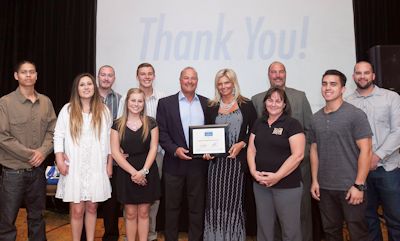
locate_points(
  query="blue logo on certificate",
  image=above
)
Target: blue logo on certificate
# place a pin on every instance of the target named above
(208, 133)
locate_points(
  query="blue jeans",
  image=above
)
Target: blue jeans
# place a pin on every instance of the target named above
(384, 189)
(17, 186)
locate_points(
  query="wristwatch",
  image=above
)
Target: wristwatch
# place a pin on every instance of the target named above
(145, 171)
(360, 187)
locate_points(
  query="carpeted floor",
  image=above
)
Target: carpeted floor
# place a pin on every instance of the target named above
(58, 228)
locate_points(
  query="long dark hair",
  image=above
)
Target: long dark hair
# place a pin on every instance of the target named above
(97, 108)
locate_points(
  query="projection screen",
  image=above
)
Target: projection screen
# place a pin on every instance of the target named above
(309, 37)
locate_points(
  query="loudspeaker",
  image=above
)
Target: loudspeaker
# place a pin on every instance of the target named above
(386, 62)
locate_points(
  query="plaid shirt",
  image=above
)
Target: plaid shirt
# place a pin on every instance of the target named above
(112, 101)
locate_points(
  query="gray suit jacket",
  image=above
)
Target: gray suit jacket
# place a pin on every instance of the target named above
(299, 105)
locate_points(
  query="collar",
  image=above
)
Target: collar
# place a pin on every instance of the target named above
(281, 118)
(111, 92)
(181, 96)
(21, 98)
(153, 95)
(375, 91)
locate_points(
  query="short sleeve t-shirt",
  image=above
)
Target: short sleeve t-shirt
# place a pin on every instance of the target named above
(273, 147)
(335, 134)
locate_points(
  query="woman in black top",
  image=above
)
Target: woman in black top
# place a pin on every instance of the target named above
(276, 148)
(138, 182)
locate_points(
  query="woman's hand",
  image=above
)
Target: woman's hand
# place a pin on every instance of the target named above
(270, 178)
(258, 176)
(139, 178)
(235, 149)
(62, 162)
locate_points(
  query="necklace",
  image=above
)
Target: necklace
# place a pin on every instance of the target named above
(227, 107)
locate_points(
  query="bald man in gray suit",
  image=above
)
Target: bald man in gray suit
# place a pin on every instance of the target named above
(301, 110)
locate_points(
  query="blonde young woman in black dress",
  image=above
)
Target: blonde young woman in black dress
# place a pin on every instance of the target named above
(138, 182)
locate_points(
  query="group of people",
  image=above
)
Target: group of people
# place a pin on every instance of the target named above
(114, 149)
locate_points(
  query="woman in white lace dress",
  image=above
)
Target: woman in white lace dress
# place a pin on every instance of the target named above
(82, 148)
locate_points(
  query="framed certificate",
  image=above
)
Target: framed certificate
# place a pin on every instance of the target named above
(211, 139)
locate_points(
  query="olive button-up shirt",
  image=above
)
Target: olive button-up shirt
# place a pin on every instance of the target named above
(25, 126)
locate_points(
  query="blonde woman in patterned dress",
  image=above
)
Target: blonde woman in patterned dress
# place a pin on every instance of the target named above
(224, 215)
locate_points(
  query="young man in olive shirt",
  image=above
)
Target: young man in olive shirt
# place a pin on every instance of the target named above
(27, 121)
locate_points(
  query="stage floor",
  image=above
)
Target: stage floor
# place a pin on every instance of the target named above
(58, 228)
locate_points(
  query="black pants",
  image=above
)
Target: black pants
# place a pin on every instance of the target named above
(335, 209)
(195, 186)
(111, 210)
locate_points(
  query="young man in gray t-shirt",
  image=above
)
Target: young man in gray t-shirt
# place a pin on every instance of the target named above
(340, 156)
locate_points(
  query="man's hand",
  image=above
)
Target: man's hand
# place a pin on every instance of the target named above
(354, 196)
(109, 170)
(315, 191)
(126, 155)
(181, 153)
(37, 158)
(374, 161)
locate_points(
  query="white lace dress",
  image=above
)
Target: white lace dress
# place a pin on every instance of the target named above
(87, 178)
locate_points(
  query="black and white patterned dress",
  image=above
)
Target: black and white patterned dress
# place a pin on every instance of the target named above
(224, 216)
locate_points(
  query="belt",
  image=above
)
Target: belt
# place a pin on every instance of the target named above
(18, 171)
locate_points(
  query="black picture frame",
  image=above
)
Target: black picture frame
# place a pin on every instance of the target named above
(208, 131)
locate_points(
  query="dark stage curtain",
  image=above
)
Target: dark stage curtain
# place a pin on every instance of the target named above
(59, 36)
(376, 22)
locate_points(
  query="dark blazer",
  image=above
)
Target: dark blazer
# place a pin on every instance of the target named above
(249, 116)
(172, 136)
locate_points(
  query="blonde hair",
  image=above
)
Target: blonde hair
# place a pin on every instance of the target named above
(231, 75)
(121, 122)
(97, 109)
